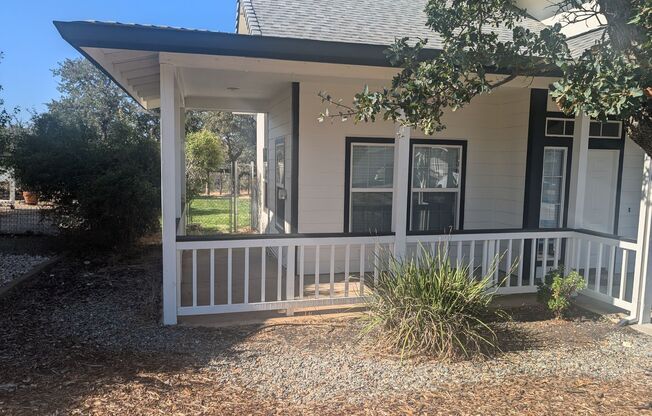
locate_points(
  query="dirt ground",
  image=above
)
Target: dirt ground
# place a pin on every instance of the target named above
(84, 339)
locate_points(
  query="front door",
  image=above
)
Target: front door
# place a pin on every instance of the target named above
(601, 185)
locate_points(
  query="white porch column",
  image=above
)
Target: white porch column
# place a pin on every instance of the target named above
(642, 288)
(401, 180)
(579, 166)
(169, 129)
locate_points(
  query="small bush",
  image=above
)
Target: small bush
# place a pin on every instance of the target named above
(556, 290)
(433, 308)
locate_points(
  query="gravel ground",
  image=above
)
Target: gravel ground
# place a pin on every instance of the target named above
(15, 265)
(84, 339)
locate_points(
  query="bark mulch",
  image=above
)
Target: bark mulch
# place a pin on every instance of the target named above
(84, 339)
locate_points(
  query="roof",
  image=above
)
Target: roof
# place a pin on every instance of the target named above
(579, 43)
(93, 34)
(377, 22)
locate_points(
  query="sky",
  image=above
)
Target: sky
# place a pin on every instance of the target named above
(32, 47)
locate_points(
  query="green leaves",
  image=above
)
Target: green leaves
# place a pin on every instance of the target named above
(608, 80)
(557, 289)
(472, 49)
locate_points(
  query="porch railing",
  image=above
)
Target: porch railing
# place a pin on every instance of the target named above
(257, 273)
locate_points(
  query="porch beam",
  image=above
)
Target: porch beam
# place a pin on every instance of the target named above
(169, 130)
(401, 183)
(253, 105)
(579, 168)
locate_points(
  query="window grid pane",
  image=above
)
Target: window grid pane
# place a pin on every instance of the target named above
(435, 182)
(372, 166)
(552, 187)
(372, 181)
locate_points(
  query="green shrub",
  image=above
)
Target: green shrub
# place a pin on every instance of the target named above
(433, 308)
(556, 290)
(104, 192)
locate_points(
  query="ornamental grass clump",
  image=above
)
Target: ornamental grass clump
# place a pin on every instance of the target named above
(431, 307)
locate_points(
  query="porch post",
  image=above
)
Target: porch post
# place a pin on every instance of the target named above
(169, 129)
(401, 179)
(641, 296)
(579, 167)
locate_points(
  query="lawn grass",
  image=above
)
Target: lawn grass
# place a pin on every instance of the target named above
(212, 214)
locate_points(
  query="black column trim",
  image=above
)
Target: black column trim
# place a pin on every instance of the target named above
(294, 206)
(534, 158)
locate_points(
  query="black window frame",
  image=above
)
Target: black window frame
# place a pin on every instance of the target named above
(434, 142)
(350, 141)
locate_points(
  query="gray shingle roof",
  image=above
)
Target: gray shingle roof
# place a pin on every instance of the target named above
(579, 43)
(359, 21)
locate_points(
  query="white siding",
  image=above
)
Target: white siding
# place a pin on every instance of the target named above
(279, 127)
(495, 127)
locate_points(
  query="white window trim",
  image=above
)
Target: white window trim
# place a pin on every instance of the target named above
(353, 190)
(601, 136)
(563, 185)
(602, 123)
(564, 120)
(457, 190)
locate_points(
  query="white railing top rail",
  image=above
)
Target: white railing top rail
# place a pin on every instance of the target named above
(282, 240)
(489, 235)
(271, 240)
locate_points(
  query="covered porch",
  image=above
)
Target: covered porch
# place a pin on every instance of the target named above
(518, 182)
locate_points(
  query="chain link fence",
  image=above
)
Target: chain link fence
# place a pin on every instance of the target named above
(19, 217)
(220, 210)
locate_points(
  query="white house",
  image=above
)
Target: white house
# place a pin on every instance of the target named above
(510, 175)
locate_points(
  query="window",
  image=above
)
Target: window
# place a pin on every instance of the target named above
(553, 187)
(435, 194)
(560, 127)
(281, 193)
(371, 187)
(605, 129)
(265, 176)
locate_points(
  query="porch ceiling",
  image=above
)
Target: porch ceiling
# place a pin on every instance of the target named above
(220, 82)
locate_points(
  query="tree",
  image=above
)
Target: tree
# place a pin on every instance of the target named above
(611, 79)
(237, 133)
(4, 123)
(89, 95)
(94, 155)
(204, 155)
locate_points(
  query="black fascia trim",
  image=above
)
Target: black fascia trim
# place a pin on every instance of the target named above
(464, 145)
(347, 173)
(168, 39)
(294, 182)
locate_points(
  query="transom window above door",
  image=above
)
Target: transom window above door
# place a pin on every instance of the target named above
(436, 187)
(371, 190)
